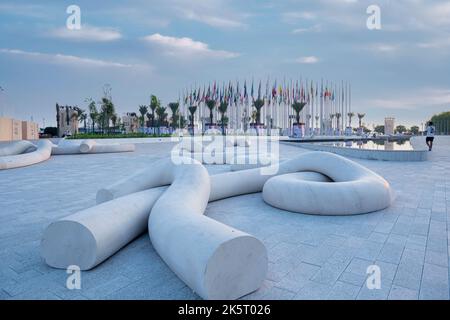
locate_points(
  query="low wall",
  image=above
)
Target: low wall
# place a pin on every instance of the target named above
(384, 155)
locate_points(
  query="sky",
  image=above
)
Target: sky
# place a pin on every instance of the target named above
(162, 47)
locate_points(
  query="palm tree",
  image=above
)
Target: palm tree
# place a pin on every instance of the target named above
(154, 104)
(338, 116)
(143, 111)
(317, 120)
(211, 104)
(83, 119)
(332, 116)
(149, 118)
(223, 109)
(350, 115)
(93, 113)
(258, 104)
(114, 119)
(162, 115)
(107, 110)
(174, 106)
(298, 107)
(192, 110)
(360, 117)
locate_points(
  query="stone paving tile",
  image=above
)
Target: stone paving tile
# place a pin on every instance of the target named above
(400, 293)
(4, 295)
(343, 291)
(435, 283)
(313, 291)
(391, 252)
(409, 275)
(375, 294)
(353, 278)
(312, 257)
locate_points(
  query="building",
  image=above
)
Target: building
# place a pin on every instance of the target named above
(130, 122)
(67, 120)
(12, 130)
(30, 130)
(389, 126)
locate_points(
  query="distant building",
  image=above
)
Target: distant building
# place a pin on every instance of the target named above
(130, 122)
(30, 130)
(389, 126)
(12, 130)
(67, 120)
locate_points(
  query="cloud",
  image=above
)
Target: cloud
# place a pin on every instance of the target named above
(314, 28)
(307, 60)
(215, 13)
(28, 10)
(294, 17)
(68, 59)
(211, 20)
(384, 47)
(187, 48)
(435, 44)
(413, 100)
(87, 33)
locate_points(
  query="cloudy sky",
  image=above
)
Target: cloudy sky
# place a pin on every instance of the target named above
(143, 47)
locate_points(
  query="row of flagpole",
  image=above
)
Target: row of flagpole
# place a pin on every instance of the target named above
(326, 112)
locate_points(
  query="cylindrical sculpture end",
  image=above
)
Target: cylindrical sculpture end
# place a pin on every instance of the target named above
(237, 268)
(67, 243)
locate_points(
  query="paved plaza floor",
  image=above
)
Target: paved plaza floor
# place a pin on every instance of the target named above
(310, 257)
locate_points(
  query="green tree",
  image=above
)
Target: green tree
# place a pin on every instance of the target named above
(93, 113)
(114, 120)
(350, 115)
(192, 110)
(298, 107)
(174, 106)
(338, 118)
(143, 111)
(223, 110)
(107, 110)
(211, 104)
(258, 104)
(154, 104)
(360, 117)
(379, 129)
(162, 116)
(415, 130)
(400, 129)
(442, 122)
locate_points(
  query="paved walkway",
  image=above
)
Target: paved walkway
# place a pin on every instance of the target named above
(311, 257)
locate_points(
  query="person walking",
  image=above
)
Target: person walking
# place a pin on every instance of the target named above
(430, 135)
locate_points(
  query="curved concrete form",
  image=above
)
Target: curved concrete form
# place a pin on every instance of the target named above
(354, 188)
(216, 261)
(16, 147)
(42, 153)
(90, 146)
(90, 236)
(206, 254)
(213, 259)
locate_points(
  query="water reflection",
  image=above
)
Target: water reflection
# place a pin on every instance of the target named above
(373, 145)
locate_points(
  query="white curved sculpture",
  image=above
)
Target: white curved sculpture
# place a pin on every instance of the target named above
(186, 239)
(216, 261)
(354, 188)
(42, 153)
(17, 147)
(90, 146)
(89, 238)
